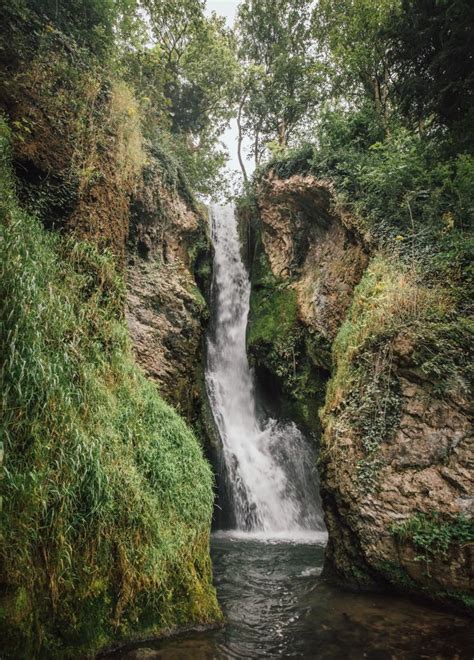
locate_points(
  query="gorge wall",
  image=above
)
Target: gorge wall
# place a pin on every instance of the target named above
(169, 264)
(355, 346)
(107, 497)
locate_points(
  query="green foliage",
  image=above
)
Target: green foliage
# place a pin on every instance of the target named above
(274, 316)
(433, 67)
(180, 65)
(279, 81)
(279, 345)
(434, 536)
(351, 36)
(172, 173)
(444, 354)
(185, 83)
(92, 23)
(107, 498)
(387, 299)
(202, 167)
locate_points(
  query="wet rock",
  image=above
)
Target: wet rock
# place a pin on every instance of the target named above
(374, 477)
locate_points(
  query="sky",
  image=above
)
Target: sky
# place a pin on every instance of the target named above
(228, 9)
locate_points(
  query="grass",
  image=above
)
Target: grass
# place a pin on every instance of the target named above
(433, 536)
(107, 499)
(389, 298)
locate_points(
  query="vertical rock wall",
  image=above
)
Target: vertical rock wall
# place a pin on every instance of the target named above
(396, 441)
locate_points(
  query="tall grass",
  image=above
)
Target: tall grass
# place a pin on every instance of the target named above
(389, 298)
(107, 498)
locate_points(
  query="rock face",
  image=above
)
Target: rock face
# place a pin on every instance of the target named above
(168, 249)
(396, 440)
(305, 263)
(421, 479)
(311, 247)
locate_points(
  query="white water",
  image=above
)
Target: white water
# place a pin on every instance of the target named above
(269, 470)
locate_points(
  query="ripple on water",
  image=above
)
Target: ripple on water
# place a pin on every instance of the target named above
(278, 606)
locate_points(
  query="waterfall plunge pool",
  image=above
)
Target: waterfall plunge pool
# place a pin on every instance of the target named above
(278, 606)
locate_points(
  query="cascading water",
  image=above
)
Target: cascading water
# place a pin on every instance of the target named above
(268, 466)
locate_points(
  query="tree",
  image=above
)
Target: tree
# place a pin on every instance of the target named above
(184, 74)
(279, 81)
(94, 24)
(351, 36)
(432, 54)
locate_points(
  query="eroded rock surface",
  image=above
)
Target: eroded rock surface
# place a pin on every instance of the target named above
(397, 441)
(308, 243)
(166, 311)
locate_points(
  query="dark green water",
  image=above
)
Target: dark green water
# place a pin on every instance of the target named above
(277, 606)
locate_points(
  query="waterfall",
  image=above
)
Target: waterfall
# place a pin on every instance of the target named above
(268, 465)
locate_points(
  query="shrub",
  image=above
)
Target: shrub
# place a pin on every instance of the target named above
(432, 535)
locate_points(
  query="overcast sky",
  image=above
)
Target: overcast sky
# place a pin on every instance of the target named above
(228, 8)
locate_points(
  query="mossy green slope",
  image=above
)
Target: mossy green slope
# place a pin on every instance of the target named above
(107, 498)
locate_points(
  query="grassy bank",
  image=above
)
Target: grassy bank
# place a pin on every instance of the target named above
(107, 498)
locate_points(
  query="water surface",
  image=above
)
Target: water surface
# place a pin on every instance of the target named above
(278, 606)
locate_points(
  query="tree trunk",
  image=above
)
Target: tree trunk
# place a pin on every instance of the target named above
(240, 140)
(282, 133)
(256, 148)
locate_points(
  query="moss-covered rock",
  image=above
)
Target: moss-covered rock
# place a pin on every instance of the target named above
(107, 498)
(397, 428)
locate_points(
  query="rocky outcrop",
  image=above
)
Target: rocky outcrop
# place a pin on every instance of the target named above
(309, 245)
(402, 510)
(305, 262)
(168, 253)
(396, 452)
(83, 167)
(113, 479)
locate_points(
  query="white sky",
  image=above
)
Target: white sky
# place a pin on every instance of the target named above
(228, 9)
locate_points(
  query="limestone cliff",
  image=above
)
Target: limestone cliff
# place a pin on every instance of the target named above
(106, 495)
(334, 321)
(169, 255)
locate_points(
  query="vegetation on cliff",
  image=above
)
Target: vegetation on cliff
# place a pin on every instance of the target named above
(107, 498)
(396, 152)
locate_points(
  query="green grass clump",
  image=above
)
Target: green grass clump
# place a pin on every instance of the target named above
(107, 498)
(433, 536)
